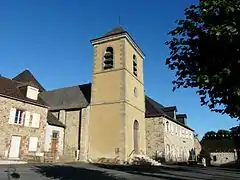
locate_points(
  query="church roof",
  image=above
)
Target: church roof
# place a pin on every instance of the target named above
(52, 120)
(74, 97)
(115, 31)
(27, 77)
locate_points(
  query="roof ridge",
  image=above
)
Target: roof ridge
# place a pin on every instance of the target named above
(68, 87)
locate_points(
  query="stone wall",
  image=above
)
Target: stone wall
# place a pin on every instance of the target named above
(178, 141)
(168, 143)
(84, 133)
(223, 157)
(154, 136)
(9, 130)
(71, 134)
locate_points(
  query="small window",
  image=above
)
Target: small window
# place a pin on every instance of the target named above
(108, 59)
(135, 92)
(19, 117)
(55, 135)
(134, 65)
(167, 126)
(214, 158)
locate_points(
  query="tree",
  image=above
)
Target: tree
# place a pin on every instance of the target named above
(205, 54)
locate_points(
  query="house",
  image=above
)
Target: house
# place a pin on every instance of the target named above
(24, 118)
(112, 117)
(167, 133)
(222, 151)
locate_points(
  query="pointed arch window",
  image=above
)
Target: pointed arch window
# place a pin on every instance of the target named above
(134, 65)
(108, 59)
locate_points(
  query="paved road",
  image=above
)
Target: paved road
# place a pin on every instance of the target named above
(90, 172)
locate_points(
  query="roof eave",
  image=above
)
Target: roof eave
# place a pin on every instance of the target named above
(25, 101)
(116, 36)
(163, 115)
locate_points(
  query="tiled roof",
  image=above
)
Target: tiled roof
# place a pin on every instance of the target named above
(52, 120)
(10, 88)
(68, 98)
(27, 77)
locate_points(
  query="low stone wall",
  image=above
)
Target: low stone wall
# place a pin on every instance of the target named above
(219, 158)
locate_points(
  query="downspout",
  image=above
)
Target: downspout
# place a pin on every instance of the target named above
(79, 134)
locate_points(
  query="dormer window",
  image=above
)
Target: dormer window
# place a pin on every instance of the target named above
(108, 59)
(32, 93)
(134, 65)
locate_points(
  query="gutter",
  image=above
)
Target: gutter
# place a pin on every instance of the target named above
(163, 115)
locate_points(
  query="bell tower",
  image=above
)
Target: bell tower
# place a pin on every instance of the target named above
(117, 109)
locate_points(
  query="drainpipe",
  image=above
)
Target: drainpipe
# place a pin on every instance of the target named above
(79, 134)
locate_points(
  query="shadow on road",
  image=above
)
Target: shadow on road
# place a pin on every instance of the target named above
(72, 173)
(172, 172)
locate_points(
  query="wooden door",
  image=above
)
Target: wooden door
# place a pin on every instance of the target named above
(136, 136)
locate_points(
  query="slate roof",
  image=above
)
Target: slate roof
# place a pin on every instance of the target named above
(115, 31)
(68, 98)
(27, 77)
(52, 120)
(155, 109)
(10, 88)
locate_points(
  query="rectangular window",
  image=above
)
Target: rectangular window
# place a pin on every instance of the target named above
(33, 142)
(19, 117)
(134, 65)
(55, 135)
(35, 120)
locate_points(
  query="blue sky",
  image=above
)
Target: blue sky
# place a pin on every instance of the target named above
(51, 38)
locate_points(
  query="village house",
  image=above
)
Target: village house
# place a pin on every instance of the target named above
(110, 118)
(24, 118)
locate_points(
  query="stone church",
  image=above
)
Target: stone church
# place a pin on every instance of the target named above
(112, 117)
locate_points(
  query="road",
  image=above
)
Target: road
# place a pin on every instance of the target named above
(93, 172)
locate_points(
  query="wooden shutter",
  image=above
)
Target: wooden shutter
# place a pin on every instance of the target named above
(27, 118)
(33, 142)
(36, 120)
(12, 115)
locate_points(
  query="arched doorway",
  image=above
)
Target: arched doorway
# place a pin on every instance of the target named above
(136, 136)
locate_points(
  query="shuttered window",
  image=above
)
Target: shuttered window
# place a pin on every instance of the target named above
(33, 142)
(35, 120)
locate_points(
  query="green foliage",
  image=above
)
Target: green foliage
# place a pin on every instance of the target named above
(205, 54)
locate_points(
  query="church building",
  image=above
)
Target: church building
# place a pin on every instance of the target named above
(112, 117)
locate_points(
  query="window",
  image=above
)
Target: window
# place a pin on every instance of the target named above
(35, 120)
(108, 59)
(135, 92)
(176, 130)
(214, 158)
(55, 135)
(134, 65)
(19, 117)
(33, 142)
(167, 126)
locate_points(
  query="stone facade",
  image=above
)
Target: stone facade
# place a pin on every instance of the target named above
(71, 119)
(155, 136)
(84, 134)
(168, 139)
(219, 158)
(9, 130)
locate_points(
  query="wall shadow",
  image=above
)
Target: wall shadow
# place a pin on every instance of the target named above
(72, 173)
